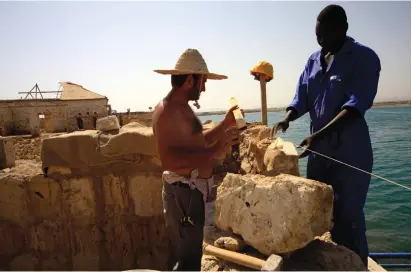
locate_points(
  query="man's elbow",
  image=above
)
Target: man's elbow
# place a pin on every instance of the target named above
(354, 110)
(354, 113)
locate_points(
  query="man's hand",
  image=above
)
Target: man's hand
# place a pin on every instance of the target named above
(308, 141)
(230, 120)
(230, 138)
(282, 125)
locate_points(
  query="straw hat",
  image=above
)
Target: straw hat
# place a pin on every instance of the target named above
(191, 62)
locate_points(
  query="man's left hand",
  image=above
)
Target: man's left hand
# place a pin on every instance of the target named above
(308, 143)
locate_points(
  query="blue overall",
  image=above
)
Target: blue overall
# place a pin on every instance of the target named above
(350, 80)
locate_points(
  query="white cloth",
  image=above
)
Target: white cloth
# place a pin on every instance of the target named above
(205, 186)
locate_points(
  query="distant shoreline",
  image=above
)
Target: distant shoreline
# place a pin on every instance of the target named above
(278, 109)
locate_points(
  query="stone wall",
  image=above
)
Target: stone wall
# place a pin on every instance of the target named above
(21, 116)
(5, 119)
(142, 118)
(102, 219)
(88, 109)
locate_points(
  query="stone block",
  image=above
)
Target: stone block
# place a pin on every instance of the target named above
(25, 262)
(49, 237)
(54, 262)
(7, 156)
(13, 199)
(79, 200)
(108, 123)
(12, 239)
(86, 247)
(274, 214)
(261, 155)
(116, 200)
(118, 245)
(145, 189)
(45, 197)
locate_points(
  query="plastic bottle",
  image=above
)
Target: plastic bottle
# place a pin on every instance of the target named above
(240, 121)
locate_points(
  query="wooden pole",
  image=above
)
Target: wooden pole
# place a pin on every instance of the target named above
(263, 99)
(234, 257)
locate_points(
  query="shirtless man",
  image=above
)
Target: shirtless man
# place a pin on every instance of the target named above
(186, 153)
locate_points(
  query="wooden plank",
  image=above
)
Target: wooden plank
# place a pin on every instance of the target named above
(374, 266)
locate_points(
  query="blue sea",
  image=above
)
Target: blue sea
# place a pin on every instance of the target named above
(388, 207)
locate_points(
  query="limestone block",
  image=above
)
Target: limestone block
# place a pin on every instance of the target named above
(54, 262)
(116, 200)
(49, 237)
(13, 198)
(274, 214)
(150, 242)
(25, 262)
(157, 232)
(281, 157)
(7, 156)
(133, 138)
(155, 258)
(12, 239)
(145, 189)
(85, 248)
(79, 200)
(140, 234)
(59, 170)
(108, 123)
(261, 155)
(45, 197)
(118, 245)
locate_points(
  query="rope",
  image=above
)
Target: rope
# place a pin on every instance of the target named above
(376, 176)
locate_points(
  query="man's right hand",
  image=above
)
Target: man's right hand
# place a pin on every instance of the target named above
(229, 119)
(230, 138)
(282, 125)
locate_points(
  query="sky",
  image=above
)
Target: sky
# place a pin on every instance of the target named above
(112, 48)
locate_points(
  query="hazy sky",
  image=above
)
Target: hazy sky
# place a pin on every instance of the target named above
(112, 48)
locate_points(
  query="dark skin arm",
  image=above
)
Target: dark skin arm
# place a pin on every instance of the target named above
(284, 124)
(346, 116)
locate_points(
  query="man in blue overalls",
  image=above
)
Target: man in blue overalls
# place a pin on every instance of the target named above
(337, 87)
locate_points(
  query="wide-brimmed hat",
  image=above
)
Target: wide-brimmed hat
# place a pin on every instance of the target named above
(191, 62)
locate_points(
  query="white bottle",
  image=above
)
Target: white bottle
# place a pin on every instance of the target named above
(240, 121)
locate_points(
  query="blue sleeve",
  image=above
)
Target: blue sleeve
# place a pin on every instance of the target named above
(300, 101)
(364, 84)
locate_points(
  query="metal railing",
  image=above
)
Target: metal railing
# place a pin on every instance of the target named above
(392, 256)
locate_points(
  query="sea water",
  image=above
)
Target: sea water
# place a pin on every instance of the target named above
(388, 207)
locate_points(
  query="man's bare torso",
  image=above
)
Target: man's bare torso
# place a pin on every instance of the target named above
(186, 135)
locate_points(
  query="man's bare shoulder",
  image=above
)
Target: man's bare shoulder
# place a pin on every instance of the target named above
(165, 112)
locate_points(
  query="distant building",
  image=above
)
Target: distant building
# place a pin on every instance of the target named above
(75, 108)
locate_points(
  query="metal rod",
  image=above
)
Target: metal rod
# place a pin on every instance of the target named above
(382, 255)
(395, 265)
(41, 92)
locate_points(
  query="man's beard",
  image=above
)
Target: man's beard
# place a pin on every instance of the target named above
(193, 93)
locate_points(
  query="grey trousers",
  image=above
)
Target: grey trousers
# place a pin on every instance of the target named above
(186, 240)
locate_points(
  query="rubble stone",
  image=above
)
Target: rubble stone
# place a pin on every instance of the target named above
(261, 155)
